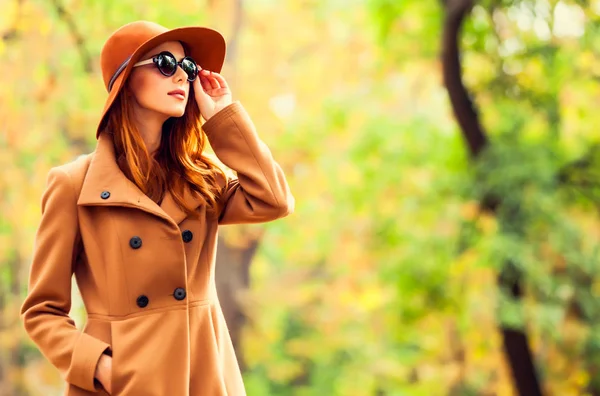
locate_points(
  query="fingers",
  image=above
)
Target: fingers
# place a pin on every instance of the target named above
(219, 92)
(220, 79)
(209, 80)
(212, 80)
(206, 85)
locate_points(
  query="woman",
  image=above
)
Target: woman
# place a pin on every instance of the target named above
(136, 222)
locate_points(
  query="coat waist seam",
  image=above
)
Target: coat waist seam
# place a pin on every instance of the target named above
(111, 318)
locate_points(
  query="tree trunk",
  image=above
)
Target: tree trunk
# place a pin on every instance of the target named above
(516, 345)
(232, 276)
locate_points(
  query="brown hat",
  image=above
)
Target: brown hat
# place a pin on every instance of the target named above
(128, 43)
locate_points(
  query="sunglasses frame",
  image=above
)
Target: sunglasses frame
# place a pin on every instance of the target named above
(154, 60)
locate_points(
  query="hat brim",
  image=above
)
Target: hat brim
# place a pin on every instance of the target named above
(206, 46)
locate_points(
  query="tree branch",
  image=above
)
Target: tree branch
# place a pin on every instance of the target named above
(75, 33)
(462, 105)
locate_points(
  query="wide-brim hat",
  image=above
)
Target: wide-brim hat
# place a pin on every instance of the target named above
(128, 43)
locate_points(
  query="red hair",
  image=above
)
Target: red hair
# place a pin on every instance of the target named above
(178, 161)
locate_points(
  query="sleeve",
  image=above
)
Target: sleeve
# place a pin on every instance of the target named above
(260, 192)
(45, 310)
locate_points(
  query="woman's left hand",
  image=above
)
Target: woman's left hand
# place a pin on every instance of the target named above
(211, 92)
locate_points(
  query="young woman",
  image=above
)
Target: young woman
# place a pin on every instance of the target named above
(136, 222)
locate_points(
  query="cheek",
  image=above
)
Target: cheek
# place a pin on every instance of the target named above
(145, 89)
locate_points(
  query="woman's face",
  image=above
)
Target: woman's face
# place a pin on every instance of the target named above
(156, 92)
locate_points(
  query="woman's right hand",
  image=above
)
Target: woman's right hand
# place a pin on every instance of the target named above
(104, 372)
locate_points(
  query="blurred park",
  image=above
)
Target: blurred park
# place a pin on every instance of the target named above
(445, 162)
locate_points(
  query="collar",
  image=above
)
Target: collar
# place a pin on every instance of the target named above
(104, 174)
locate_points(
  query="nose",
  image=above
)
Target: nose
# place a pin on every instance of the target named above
(179, 75)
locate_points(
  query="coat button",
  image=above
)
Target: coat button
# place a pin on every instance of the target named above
(187, 236)
(142, 301)
(135, 242)
(179, 293)
(105, 194)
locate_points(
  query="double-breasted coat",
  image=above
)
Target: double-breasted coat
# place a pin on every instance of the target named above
(145, 271)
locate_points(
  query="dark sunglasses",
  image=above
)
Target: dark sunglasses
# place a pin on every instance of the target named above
(167, 65)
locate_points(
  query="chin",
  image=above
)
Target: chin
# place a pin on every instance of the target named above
(174, 112)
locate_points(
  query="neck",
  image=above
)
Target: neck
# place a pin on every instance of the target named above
(149, 123)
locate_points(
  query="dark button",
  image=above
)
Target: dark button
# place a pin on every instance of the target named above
(142, 301)
(105, 194)
(135, 242)
(187, 236)
(179, 293)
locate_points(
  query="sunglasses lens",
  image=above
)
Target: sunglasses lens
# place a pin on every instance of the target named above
(166, 64)
(189, 66)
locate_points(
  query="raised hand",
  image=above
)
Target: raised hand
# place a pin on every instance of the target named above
(211, 93)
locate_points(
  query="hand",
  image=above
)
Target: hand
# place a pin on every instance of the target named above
(211, 92)
(103, 372)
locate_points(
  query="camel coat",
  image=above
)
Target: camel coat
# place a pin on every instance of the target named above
(145, 272)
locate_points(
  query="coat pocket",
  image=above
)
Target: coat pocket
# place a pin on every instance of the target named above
(101, 330)
(116, 379)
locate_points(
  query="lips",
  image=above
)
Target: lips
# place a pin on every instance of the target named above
(178, 93)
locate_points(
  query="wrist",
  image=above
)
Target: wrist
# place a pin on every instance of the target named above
(100, 366)
(216, 110)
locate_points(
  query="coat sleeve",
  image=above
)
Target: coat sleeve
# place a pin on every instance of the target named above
(260, 192)
(45, 310)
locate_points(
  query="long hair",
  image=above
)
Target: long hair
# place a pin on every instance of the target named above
(179, 161)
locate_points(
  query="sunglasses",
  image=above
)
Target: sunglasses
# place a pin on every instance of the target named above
(166, 64)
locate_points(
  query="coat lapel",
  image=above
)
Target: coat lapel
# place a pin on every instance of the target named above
(170, 207)
(104, 175)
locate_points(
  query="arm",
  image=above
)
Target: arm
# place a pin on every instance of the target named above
(45, 311)
(260, 193)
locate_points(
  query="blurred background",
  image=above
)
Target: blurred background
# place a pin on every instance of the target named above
(444, 157)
